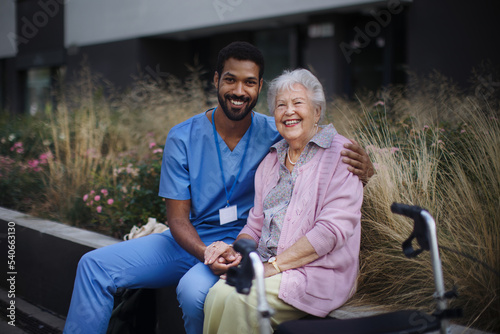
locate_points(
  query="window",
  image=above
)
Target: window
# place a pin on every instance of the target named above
(38, 90)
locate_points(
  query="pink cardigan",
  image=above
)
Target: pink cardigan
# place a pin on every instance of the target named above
(326, 208)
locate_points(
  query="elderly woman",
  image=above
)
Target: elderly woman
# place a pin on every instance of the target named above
(305, 219)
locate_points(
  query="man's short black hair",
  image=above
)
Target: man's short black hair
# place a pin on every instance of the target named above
(240, 51)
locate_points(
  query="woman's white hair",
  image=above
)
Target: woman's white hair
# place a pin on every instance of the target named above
(301, 76)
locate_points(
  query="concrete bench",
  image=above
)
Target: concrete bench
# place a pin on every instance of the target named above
(46, 256)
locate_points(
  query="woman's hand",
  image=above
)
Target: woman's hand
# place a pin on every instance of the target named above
(219, 257)
(269, 270)
(297, 255)
(358, 160)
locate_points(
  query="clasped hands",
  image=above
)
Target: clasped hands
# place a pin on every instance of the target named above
(219, 257)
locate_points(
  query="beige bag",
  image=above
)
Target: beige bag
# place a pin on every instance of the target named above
(151, 227)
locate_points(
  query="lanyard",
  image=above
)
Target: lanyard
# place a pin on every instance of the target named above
(228, 196)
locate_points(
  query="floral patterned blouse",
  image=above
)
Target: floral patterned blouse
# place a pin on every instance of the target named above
(276, 202)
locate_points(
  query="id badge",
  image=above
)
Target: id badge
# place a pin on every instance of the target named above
(228, 214)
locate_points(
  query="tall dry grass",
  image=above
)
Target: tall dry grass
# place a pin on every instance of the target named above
(155, 104)
(79, 134)
(472, 226)
(94, 127)
(445, 157)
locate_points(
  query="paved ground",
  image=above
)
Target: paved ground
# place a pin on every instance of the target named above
(29, 318)
(8, 329)
(33, 320)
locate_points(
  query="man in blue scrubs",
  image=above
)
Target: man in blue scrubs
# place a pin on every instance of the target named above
(207, 176)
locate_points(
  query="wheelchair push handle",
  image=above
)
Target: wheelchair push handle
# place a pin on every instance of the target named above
(242, 275)
(410, 211)
(245, 246)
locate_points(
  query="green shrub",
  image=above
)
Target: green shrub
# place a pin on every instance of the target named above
(129, 197)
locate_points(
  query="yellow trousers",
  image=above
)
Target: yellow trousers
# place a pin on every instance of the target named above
(228, 312)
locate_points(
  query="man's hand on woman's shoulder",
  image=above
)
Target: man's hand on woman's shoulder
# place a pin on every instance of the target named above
(358, 160)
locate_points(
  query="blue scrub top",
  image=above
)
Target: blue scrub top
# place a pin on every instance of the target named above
(190, 167)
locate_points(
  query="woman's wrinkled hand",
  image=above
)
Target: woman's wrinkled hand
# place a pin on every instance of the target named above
(219, 257)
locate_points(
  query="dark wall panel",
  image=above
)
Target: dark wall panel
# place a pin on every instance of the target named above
(452, 36)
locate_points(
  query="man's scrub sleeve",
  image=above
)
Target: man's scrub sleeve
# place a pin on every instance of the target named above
(174, 179)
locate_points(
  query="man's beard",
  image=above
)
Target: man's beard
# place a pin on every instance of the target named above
(241, 113)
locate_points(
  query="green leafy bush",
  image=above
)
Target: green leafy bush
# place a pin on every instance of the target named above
(23, 162)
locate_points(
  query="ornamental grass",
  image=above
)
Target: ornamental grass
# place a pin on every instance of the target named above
(93, 161)
(447, 163)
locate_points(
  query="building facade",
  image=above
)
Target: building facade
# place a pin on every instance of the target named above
(350, 45)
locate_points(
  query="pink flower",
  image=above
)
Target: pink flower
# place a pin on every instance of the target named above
(99, 209)
(33, 163)
(92, 192)
(85, 197)
(97, 198)
(18, 147)
(394, 150)
(157, 150)
(462, 131)
(92, 153)
(104, 192)
(151, 145)
(44, 157)
(426, 127)
(379, 103)
(110, 201)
